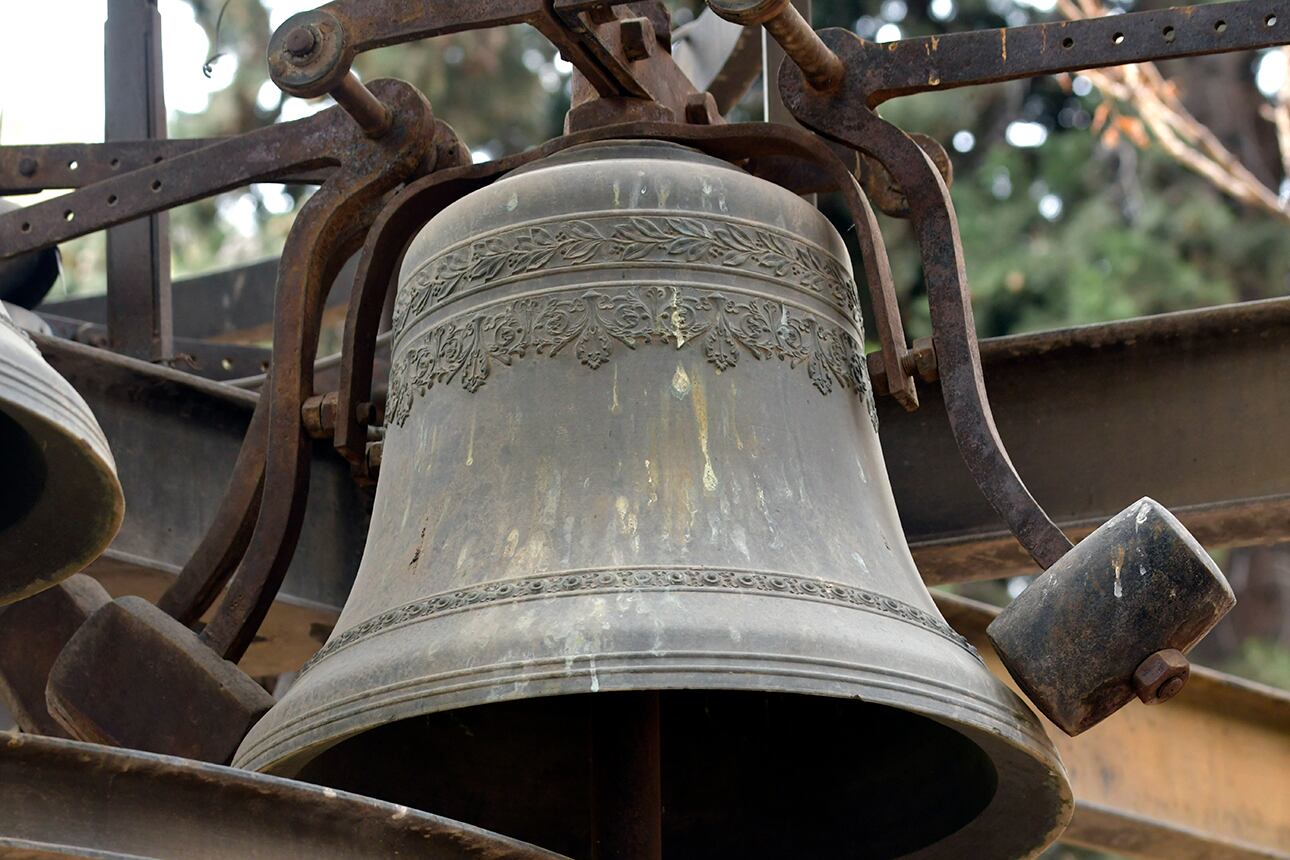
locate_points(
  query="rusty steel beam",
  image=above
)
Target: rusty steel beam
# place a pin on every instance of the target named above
(161, 422)
(1187, 408)
(1202, 777)
(209, 359)
(229, 305)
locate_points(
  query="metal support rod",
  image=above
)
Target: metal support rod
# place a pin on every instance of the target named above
(788, 21)
(302, 45)
(138, 253)
(792, 30)
(627, 808)
(772, 55)
(368, 111)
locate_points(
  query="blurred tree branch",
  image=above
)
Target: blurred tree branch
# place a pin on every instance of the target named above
(1160, 111)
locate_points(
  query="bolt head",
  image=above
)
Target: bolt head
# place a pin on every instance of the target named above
(27, 166)
(300, 42)
(701, 109)
(637, 37)
(924, 355)
(747, 13)
(1169, 689)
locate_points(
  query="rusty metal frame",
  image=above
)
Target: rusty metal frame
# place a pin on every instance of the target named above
(138, 252)
(952, 534)
(1219, 473)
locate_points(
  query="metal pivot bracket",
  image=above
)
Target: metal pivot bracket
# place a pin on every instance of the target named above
(953, 327)
(312, 52)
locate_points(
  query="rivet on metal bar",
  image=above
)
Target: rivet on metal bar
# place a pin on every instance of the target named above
(822, 68)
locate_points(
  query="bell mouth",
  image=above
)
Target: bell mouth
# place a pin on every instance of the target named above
(62, 502)
(744, 774)
(836, 731)
(26, 471)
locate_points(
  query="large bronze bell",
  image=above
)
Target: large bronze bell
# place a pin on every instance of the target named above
(61, 503)
(632, 447)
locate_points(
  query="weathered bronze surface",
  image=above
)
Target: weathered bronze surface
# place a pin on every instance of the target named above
(632, 447)
(61, 503)
(68, 799)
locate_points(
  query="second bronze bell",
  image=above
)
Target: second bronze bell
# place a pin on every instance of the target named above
(61, 503)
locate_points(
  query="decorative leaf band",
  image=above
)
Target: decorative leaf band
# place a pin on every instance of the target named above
(667, 239)
(594, 323)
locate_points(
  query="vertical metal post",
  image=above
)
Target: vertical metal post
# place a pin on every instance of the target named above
(138, 253)
(627, 779)
(772, 55)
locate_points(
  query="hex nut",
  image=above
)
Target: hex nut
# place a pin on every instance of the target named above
(924, 356)
(637, 37)
(1161, 676)
(701, 109)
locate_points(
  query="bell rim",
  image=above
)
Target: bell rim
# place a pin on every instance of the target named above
(573, 675)
(998, 820)
(1000, 725)
(41, 402)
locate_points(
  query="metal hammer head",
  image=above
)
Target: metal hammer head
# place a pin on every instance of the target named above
(32, 635)
(1098, 627)
(134, 677)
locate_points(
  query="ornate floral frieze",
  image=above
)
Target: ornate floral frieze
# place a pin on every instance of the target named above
(593, 324)
(648, 579)
(665, 239)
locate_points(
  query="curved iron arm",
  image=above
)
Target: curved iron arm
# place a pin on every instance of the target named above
(840, 115)
(222, 547)
(327, 229)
